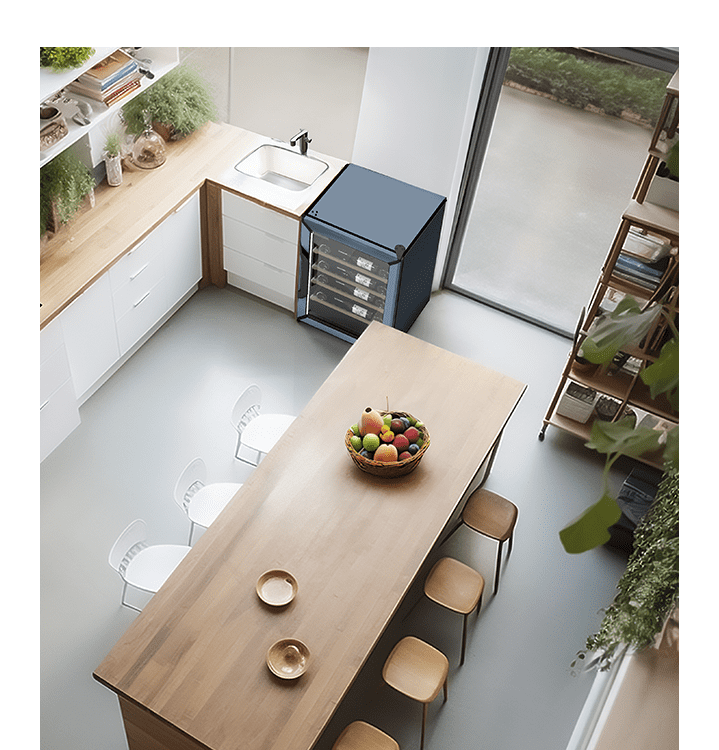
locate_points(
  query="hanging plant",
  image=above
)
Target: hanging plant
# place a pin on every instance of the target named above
(648, 590)
(64, 58)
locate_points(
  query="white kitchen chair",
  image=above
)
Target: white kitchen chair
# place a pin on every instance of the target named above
(256, 432)
(141, 566)
(201, 502)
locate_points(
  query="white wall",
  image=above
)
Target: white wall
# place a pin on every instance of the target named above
(276, 91)
(418, 105)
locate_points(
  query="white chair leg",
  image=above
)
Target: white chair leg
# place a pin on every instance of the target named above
(124, 602)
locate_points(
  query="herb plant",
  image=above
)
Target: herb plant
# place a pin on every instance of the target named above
(180, 99)
(64, 181)
(63, 58)
(113, 144)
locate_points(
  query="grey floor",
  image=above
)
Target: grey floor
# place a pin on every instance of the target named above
(171, 402)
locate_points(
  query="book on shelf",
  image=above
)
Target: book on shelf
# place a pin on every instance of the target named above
(109, 71)
(110, 96)
(123, 91)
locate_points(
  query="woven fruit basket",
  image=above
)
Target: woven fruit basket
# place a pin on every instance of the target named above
(389, 468)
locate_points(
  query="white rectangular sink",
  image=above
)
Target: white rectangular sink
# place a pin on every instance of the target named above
(282, 167)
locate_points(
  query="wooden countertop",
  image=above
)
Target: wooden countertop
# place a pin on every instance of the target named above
(195, 658)
(75, 257)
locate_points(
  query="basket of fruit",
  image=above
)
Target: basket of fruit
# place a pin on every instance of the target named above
(387, 444)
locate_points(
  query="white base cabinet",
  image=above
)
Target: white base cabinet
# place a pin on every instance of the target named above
(59, 414)
(260, 250)
(100, 327)
(88, 325)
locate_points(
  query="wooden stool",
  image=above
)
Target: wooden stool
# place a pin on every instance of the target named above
(456, 586)
(417, 670)
(359, 735)
(491, 515)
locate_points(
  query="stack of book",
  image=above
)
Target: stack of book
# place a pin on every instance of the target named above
(642, 273)
(110, 80)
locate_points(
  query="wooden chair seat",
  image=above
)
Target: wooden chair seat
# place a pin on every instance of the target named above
(457, 587)
(417, 670)
(493, 516)
(359, 735)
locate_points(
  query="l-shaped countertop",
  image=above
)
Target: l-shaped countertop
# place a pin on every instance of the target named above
(77, 255)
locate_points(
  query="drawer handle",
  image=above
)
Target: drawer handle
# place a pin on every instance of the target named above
(144, 296)
(42, 406)
(137, 273)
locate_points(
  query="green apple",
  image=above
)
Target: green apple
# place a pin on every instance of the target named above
(370, 442)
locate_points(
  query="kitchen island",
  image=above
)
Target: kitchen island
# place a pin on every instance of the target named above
(190, 672)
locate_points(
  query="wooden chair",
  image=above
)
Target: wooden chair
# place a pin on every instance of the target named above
(456, 586)
(491, 515)
(359, 735)
(417, 670)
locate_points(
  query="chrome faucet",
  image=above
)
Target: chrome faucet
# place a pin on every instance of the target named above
(303, 138)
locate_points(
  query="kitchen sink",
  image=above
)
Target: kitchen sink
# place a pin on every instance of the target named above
(282, 167)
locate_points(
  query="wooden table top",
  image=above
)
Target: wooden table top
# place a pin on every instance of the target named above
(196, 655)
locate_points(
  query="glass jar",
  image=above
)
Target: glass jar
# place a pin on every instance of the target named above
(148, 149)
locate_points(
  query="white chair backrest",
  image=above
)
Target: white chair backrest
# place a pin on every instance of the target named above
(246, 408)
(193, 476)
(128, 544)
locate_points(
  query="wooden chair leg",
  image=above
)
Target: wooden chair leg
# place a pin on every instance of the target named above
(498, 567)
(446, 694)
(424, 721)
(464, 638)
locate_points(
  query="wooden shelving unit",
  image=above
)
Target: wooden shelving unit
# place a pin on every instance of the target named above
(644, 227)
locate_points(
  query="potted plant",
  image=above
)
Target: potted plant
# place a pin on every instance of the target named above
(64, 183)
(178, 104)
(64, 58)
(112, 156)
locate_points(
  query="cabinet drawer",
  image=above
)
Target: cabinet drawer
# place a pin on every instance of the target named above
(51, 339)
(261, 273)
(146, 277)
(54, 372)
(269, 221)
(258, 244)
(143, 314)
(59, 416)
(132, 263)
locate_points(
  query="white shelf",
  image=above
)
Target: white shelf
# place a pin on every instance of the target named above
(51, 82)
(164, 59)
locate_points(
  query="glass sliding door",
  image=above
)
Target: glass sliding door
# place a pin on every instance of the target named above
(557, 151)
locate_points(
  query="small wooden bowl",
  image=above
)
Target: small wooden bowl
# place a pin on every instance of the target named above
(389, 468)
(276, 587)
(288, 658)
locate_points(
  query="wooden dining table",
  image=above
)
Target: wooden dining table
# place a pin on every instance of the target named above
(191, 672)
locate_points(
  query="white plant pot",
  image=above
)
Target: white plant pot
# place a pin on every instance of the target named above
(113, 167)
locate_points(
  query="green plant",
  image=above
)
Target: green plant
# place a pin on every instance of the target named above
(64, 182)
(648, 590)
(179, 99)
(629, 323)
(63, 58)
(113, 144)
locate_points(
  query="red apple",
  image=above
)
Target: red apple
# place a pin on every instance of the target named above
(403, 455)
(401, 443)
(412, 434)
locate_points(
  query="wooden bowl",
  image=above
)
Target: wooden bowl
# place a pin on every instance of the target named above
(276, 587)
(288, 658)
(389, 468)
